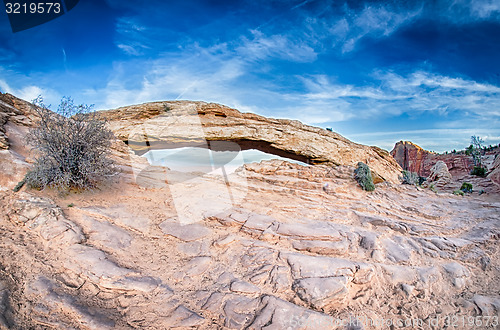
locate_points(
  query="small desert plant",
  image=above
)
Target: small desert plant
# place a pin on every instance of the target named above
(364, 177)
(479, 171)
(411, 178)
(466, 187)
(458, 192)
(20, 184)
(72, 147)
(421, 180)
(476, 150)
(432, 188)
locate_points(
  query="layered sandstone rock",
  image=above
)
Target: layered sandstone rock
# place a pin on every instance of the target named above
(410, 156)
(13, 112)
(16, 117)
(180, 123)
(413, 158)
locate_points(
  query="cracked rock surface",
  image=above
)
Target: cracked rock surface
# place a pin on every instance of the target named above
(285, 256)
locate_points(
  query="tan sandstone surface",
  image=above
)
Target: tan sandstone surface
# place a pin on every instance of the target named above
(297, 247)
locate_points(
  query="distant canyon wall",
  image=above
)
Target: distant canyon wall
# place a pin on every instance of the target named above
(413, 158)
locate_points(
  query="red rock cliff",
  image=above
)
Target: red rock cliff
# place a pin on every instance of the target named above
(413, 158)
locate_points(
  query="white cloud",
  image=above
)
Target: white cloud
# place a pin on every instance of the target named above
(275, 46)
(477, 9)
(320, 88)
(207, 74)
(377, 22)
(128, 49)
(461, 108)
(30, 92)
(234, 73)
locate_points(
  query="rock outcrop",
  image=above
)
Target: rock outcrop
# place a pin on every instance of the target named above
(16, 116)
(16, 112)
(439, 175)
(179, 123)
(494, 172)
(413, 158)
(410, 156)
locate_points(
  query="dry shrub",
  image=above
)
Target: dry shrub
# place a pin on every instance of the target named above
(73, 147)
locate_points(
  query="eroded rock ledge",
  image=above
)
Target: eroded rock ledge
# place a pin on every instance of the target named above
(169, 124)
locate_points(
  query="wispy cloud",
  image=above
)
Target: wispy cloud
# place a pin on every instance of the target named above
(322, 62)
(393, 94)
(467, 10)
(260, 47)
(198, 73)
(346, 29)
(131, 36)
(375, 22)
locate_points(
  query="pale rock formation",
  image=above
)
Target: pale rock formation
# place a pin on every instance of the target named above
(494, 172)
(16, 116)
(439, 175)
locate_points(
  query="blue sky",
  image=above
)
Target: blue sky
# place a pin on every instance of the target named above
(375, 71)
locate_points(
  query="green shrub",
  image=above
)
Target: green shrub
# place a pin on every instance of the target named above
(433, 188)
(19, 185)
(364, 177)
(421, 180)
(458, 192)
(466, 187)
(479, 171)
(72, 146)
(411, 178)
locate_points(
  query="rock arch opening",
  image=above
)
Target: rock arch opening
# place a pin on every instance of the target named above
(198, 155)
